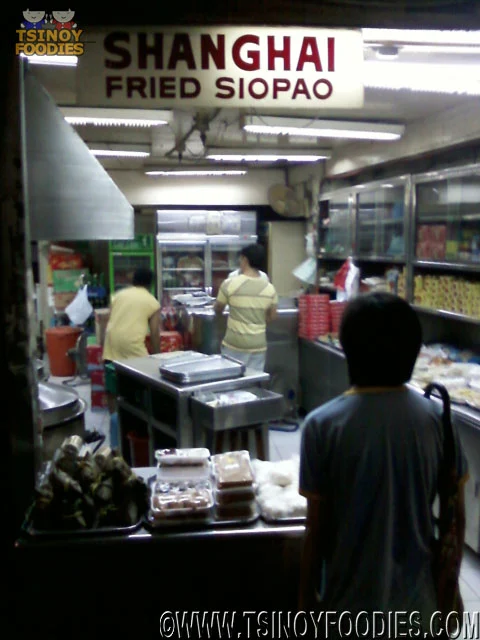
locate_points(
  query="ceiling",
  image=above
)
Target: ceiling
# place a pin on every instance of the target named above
(223, 127)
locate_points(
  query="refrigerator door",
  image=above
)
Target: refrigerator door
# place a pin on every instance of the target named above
(223, 257)
(181, 266)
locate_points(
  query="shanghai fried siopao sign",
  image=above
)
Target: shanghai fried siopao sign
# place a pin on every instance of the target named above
(223, 67)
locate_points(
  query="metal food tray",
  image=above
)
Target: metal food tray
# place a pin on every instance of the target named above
(292, 520)
(268, 406)
(209, 369)
(29, 529)
(197, 523)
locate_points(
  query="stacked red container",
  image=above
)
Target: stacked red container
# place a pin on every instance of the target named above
(313, 315)
(97, 376)
(336, 311)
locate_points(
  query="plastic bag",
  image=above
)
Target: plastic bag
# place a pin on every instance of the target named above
(347, 281)
(80, 309)
(306, 271)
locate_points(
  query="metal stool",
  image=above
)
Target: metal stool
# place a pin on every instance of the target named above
(79, 355)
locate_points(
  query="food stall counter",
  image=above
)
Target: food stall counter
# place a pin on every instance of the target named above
(158, 408)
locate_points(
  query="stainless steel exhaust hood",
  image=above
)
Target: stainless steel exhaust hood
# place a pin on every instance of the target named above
(69, 194)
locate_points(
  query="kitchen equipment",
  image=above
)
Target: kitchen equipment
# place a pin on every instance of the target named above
(62, 414)
(208, 369)
(196, 250)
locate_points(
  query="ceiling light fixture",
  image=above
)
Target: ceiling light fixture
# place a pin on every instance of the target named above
(387, 52)
(423, 41)
(112, 150)
(420, 36)
(220, 154)
(57, 61)
(305, 127)
(116, 117)
(187, 173)
(433, 78)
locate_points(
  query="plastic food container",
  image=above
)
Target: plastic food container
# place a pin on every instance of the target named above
(236, 511)
(180, 499)
(232, 469)
(182, 472)
(182, 457)
(235, 496)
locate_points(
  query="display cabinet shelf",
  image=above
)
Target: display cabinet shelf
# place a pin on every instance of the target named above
(379, 259)
(470, 267)
(443, 313)
(445, 218)
(428, 226)
(180, 269)
(333, 256)
(382, 223)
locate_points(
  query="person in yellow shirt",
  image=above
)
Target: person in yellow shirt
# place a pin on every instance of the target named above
(134, 313)
(252, 301)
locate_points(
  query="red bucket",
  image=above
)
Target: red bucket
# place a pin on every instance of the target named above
(59, 340)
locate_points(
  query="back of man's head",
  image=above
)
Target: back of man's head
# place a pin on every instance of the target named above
(255, 254)
(381, 336)
(143, 278)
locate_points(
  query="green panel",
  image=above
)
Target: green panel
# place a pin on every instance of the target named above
(141, 242)
(122, 264)
(68, 280)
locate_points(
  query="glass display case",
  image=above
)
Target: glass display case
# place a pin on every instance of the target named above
(224, 258)
(335, 229)
(426, 227)
(197, 249)
(446, 242)
(448, 219)
(181, 267)
(381, 222)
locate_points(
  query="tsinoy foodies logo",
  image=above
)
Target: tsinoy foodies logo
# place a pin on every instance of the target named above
(49, 34)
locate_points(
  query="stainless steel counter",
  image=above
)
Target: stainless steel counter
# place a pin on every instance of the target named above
(323, 376)
(208, 330)
(147, 369)
(161, 409)
(236, 568)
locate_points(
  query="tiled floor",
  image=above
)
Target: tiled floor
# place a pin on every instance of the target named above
(284, 444)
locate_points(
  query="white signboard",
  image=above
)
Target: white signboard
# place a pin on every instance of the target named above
(222, 67)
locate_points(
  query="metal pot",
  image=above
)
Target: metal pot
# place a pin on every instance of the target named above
(208, 330)
(62, 413)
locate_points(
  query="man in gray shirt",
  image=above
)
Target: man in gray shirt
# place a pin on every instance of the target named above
(369, 470)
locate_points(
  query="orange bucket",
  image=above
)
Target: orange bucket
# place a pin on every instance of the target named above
(139, 452)
(59, 340)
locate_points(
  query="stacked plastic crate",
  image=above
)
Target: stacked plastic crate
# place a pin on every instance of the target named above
(313, 315)
(97, 376)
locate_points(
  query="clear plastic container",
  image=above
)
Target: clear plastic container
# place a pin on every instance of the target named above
(180, 499)
(232, 470)
(198, 456)
(181, 472)
(235, 496)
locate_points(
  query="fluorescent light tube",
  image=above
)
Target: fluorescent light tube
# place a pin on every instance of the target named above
(220, 154)
(420, 36)
(433, 78)
(119, 153)
(58, 61)
(116, 117)
(116, 150)
(323, 128)
(195, 172)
